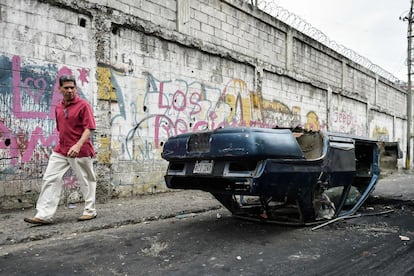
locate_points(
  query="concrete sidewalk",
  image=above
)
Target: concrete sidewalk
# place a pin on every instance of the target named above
(116, 212)
(399, 186)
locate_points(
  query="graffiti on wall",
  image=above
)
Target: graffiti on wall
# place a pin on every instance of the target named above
(381, 134)
(346, 122)
(28, 95)
(157, 109)
(145, 111)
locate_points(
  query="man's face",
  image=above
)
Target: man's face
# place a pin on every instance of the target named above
(68, 90)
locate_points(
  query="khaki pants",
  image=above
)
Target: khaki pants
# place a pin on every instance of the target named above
(51, 191)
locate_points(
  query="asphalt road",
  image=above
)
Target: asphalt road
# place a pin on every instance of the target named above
(215, 243)
(188, 233)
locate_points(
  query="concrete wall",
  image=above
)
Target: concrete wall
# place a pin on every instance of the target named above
(153, 69)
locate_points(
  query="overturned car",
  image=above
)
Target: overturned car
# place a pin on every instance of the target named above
(289, 176)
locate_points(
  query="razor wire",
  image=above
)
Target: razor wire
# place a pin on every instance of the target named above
(306, 28)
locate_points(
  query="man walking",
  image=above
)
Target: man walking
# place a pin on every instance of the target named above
(75, 123)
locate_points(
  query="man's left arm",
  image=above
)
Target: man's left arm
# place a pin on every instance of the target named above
(74, 150)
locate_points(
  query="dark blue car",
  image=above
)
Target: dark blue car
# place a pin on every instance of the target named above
(278, 175)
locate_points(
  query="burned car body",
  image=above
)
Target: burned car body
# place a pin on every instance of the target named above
(276, 175)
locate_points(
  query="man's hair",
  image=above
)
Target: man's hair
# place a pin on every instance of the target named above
(66, 78)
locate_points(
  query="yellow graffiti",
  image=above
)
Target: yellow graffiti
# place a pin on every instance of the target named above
(275, 106)
(380, 132)
(312, 121)
(247, 106)
(116, 149)
(254, 98)
(106, 91)
(104, 150)
(239, 101)
(296, 110)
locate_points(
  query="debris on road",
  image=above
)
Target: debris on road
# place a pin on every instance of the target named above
(404, 238)
(349, 217)
(189, 215)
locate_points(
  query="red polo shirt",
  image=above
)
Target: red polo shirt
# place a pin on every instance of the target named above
(71, 121)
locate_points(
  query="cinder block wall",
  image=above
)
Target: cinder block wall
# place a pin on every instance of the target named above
(152, 69)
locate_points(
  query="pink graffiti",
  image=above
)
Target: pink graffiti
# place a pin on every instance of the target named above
(179, 100)
(194, 99)
(70, 181)
(178, 108)
(39, 84)
(22, 146)
(167, 127)
(83, 75)
(6, 135)
(37, 136)
(343, 117)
